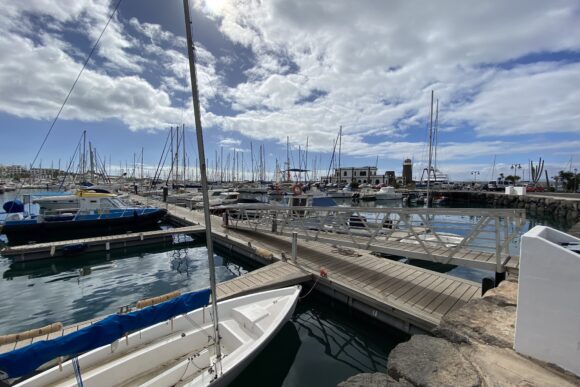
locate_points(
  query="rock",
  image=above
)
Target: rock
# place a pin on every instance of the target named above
(504, 295)
(504, 367)
(372, 380)
(431, 361)
(480, 320)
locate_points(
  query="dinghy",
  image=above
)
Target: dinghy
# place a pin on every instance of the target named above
(180, 351)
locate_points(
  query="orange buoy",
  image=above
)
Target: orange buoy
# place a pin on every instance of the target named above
(296, 189)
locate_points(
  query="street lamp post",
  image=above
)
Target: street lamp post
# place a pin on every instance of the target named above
(474, 173)
(575, 179)
(515, 167)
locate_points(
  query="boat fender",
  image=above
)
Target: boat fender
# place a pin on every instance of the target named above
(15, 337)
(323, 272)
(156, 300)
(296, 190)
(263, 253)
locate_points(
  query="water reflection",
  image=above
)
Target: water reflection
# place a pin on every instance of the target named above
(72, 290)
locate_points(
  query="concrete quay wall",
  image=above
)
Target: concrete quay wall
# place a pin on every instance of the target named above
(560, 207)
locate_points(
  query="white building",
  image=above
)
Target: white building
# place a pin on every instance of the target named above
(361, 175)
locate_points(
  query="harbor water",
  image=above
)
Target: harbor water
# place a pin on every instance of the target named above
(322, 345)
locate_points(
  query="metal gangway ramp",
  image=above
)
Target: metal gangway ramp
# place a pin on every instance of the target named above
(469, 237)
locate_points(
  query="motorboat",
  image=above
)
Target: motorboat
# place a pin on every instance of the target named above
(98, 214)
(367, 194)
(174, 351)
(64, 201)
(388, 193)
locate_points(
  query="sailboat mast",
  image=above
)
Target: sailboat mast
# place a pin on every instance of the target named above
(430, 151)
(204, 185)
(252, 157)
(183, 142)
(339, 146)
(142, 149)
(436, 137)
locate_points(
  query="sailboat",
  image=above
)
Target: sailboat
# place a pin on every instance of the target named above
(180, 341)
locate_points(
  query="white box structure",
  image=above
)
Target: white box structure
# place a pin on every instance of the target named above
(517, 191)
(548, 311)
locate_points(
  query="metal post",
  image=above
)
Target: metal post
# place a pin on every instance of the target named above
(274, 221)
(204, 184)
(294, 246)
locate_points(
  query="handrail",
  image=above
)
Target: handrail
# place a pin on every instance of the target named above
(445, 235)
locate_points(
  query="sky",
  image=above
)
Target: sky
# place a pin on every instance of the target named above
(506, 75)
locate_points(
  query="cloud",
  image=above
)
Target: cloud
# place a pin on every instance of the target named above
(36, 71)
(229, 141)
(500, 69)
(376, 63)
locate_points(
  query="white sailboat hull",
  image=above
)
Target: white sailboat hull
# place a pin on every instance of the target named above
(179, 352)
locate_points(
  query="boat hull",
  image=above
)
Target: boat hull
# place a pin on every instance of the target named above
(71, 229)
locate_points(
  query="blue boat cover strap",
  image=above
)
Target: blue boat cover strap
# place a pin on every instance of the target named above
(25, 360)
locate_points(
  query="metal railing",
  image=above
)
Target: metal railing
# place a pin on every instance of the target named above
(467, 236)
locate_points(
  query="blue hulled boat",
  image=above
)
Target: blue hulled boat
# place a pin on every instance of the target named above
(98, 214)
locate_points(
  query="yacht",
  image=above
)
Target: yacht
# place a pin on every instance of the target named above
(388, 193)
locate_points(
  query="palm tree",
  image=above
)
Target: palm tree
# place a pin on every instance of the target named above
(501, 177)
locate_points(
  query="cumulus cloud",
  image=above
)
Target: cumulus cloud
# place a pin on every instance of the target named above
(499, 69)
(376, 63)
(36, 73)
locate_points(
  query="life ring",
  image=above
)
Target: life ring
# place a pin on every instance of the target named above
(296, 190)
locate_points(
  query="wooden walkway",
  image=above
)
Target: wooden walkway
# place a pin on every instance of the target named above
(102, 243)
(273, 276)
(402, 244)
(412, 295)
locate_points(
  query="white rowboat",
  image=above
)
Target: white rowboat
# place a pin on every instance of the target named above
(180, 351)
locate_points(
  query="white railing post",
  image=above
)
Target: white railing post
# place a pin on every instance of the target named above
(294, 246)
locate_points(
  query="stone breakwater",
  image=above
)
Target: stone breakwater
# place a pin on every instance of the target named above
(559, 207)
(473, 346)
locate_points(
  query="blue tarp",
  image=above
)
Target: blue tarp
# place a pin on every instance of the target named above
(25, 360)
(13, 206)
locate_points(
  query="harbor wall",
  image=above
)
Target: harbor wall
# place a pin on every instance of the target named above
(559, 207)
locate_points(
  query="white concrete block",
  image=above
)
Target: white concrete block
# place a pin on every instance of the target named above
(548, 311)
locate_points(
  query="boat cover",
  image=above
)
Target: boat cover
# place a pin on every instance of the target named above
(13, 206)
(25, 360)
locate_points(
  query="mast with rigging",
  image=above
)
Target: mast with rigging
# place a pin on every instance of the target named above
(204, 184)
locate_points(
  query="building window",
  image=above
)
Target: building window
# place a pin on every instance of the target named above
(344, 173)
(363, 173)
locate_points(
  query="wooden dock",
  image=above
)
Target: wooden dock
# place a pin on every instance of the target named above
(273, 276)
(49, 250)
(409, 298)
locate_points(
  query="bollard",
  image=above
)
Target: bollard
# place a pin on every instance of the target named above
(165, 193)
(487, 283)
(499, 277)
(274, 223)
(294, 246)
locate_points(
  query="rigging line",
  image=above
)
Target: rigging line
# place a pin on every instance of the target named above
(70, 163)
(75, 82)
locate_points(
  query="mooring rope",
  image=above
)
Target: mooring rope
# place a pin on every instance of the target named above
(77, 369)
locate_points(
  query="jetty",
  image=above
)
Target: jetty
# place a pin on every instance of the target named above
(406, 297)
(49, 250)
